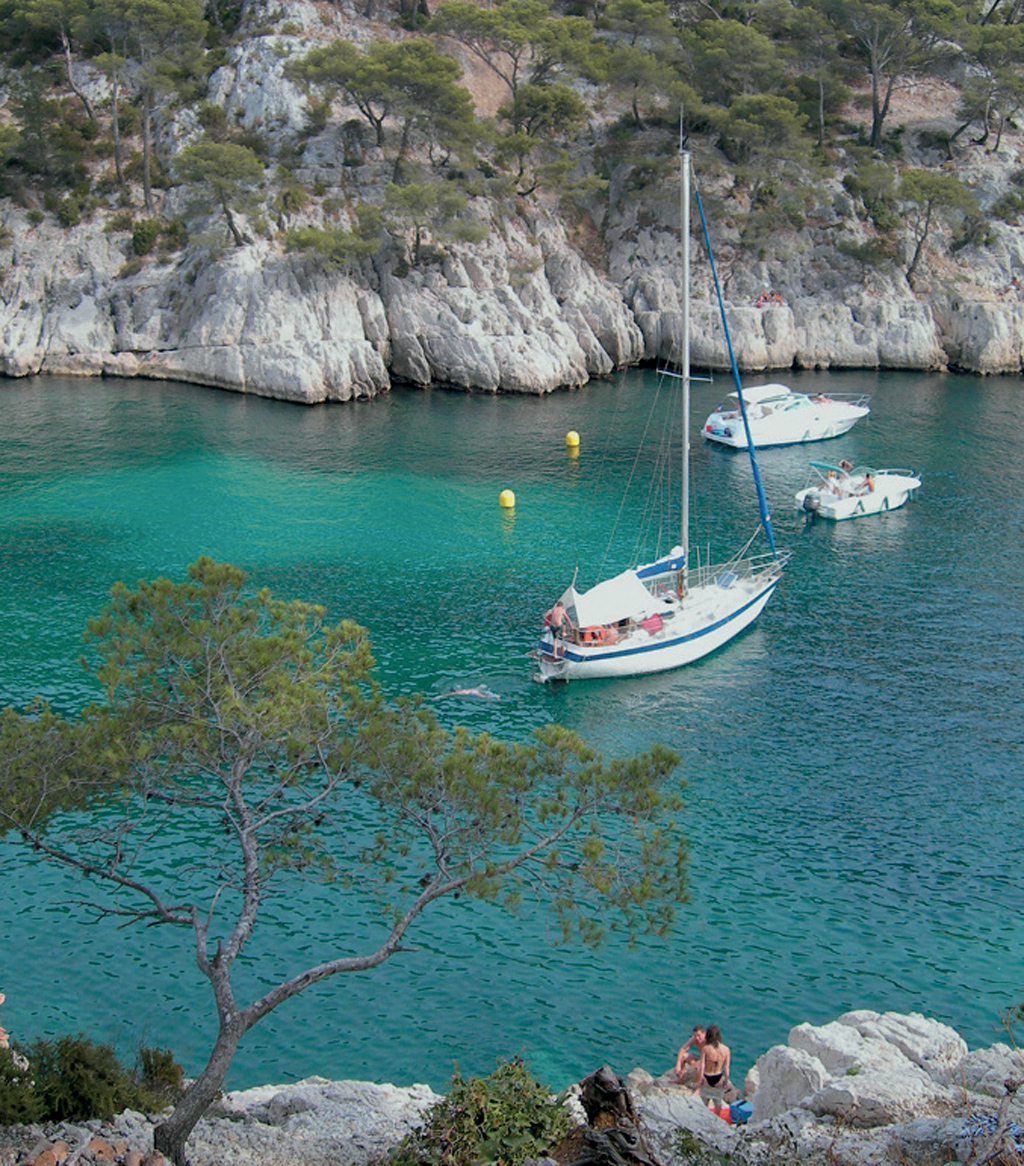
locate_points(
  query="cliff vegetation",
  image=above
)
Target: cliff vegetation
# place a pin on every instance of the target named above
(311, 200)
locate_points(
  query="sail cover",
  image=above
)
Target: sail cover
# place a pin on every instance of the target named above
(623, 597)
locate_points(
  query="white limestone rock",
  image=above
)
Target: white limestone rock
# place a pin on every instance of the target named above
(836, 1046)
(520, 312)
(907, 336)
(252, 88)
(882, 1095)
(593, 307)
(364, 1120)
(493, 322)
(664, 1112)
(935, 1047)
(788, 1078)
(829, 334)
(652, 295)
(987, 1070)
(259, 323)
(983, 337)
(865, 1069)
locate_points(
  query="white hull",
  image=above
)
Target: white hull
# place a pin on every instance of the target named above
(707, 618)
(847, 501)
(778, 416)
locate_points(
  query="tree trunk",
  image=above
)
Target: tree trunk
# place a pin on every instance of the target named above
(236, 234)
(920, 245)
(821, 111)
(147, 189)
(115, 129)
(403, 149)
(71, 81)
(170, 1136)
(876, 112)
(884, 111)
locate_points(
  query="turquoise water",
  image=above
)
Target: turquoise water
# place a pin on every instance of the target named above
(852, 764)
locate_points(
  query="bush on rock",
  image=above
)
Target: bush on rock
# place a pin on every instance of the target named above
(507, 1118)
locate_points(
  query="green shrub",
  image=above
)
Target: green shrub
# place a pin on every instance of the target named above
(77, 1080)
(292, 197)
(1009, 208)
(505, 1118)
(145, 234)
(688, 1146)
(214, 121)
(69, 212)
(19, 1102)
(253, 140)
(334, 247)
(160, 1072)
(175, 235)
(129, 118)
(122, 220)
(874, 252)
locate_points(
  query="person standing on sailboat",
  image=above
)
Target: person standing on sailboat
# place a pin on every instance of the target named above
(557, 619)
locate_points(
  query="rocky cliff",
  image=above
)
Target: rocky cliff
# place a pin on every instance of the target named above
(530, 309)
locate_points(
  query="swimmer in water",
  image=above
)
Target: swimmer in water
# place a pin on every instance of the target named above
(480, 690)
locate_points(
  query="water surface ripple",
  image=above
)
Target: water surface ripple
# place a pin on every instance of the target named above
(852, 764)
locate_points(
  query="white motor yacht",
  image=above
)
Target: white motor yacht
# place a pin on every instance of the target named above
(778, 416)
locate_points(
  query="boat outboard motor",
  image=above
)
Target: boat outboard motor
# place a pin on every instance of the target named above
(811, 503)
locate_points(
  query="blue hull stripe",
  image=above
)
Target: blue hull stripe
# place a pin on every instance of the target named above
(571, 654)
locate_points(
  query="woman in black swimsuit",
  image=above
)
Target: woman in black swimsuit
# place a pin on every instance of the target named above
(714, 1060)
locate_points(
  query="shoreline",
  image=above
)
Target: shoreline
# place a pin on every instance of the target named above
(868, 1089)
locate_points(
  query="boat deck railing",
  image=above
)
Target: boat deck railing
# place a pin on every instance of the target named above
(847, 398)
(724, 574)
(667, 584)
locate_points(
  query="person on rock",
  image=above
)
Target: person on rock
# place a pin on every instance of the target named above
(688, 1060)
(713, 1069)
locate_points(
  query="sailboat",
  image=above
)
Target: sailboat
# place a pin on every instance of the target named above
(667, 613)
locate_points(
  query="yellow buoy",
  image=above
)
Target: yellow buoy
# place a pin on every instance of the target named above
(572, 439)
(506, 499)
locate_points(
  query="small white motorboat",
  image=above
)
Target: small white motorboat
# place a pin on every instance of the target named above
(843, 491)
(778, 416)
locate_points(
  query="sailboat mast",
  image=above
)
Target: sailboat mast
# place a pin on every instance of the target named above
(684, 351)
